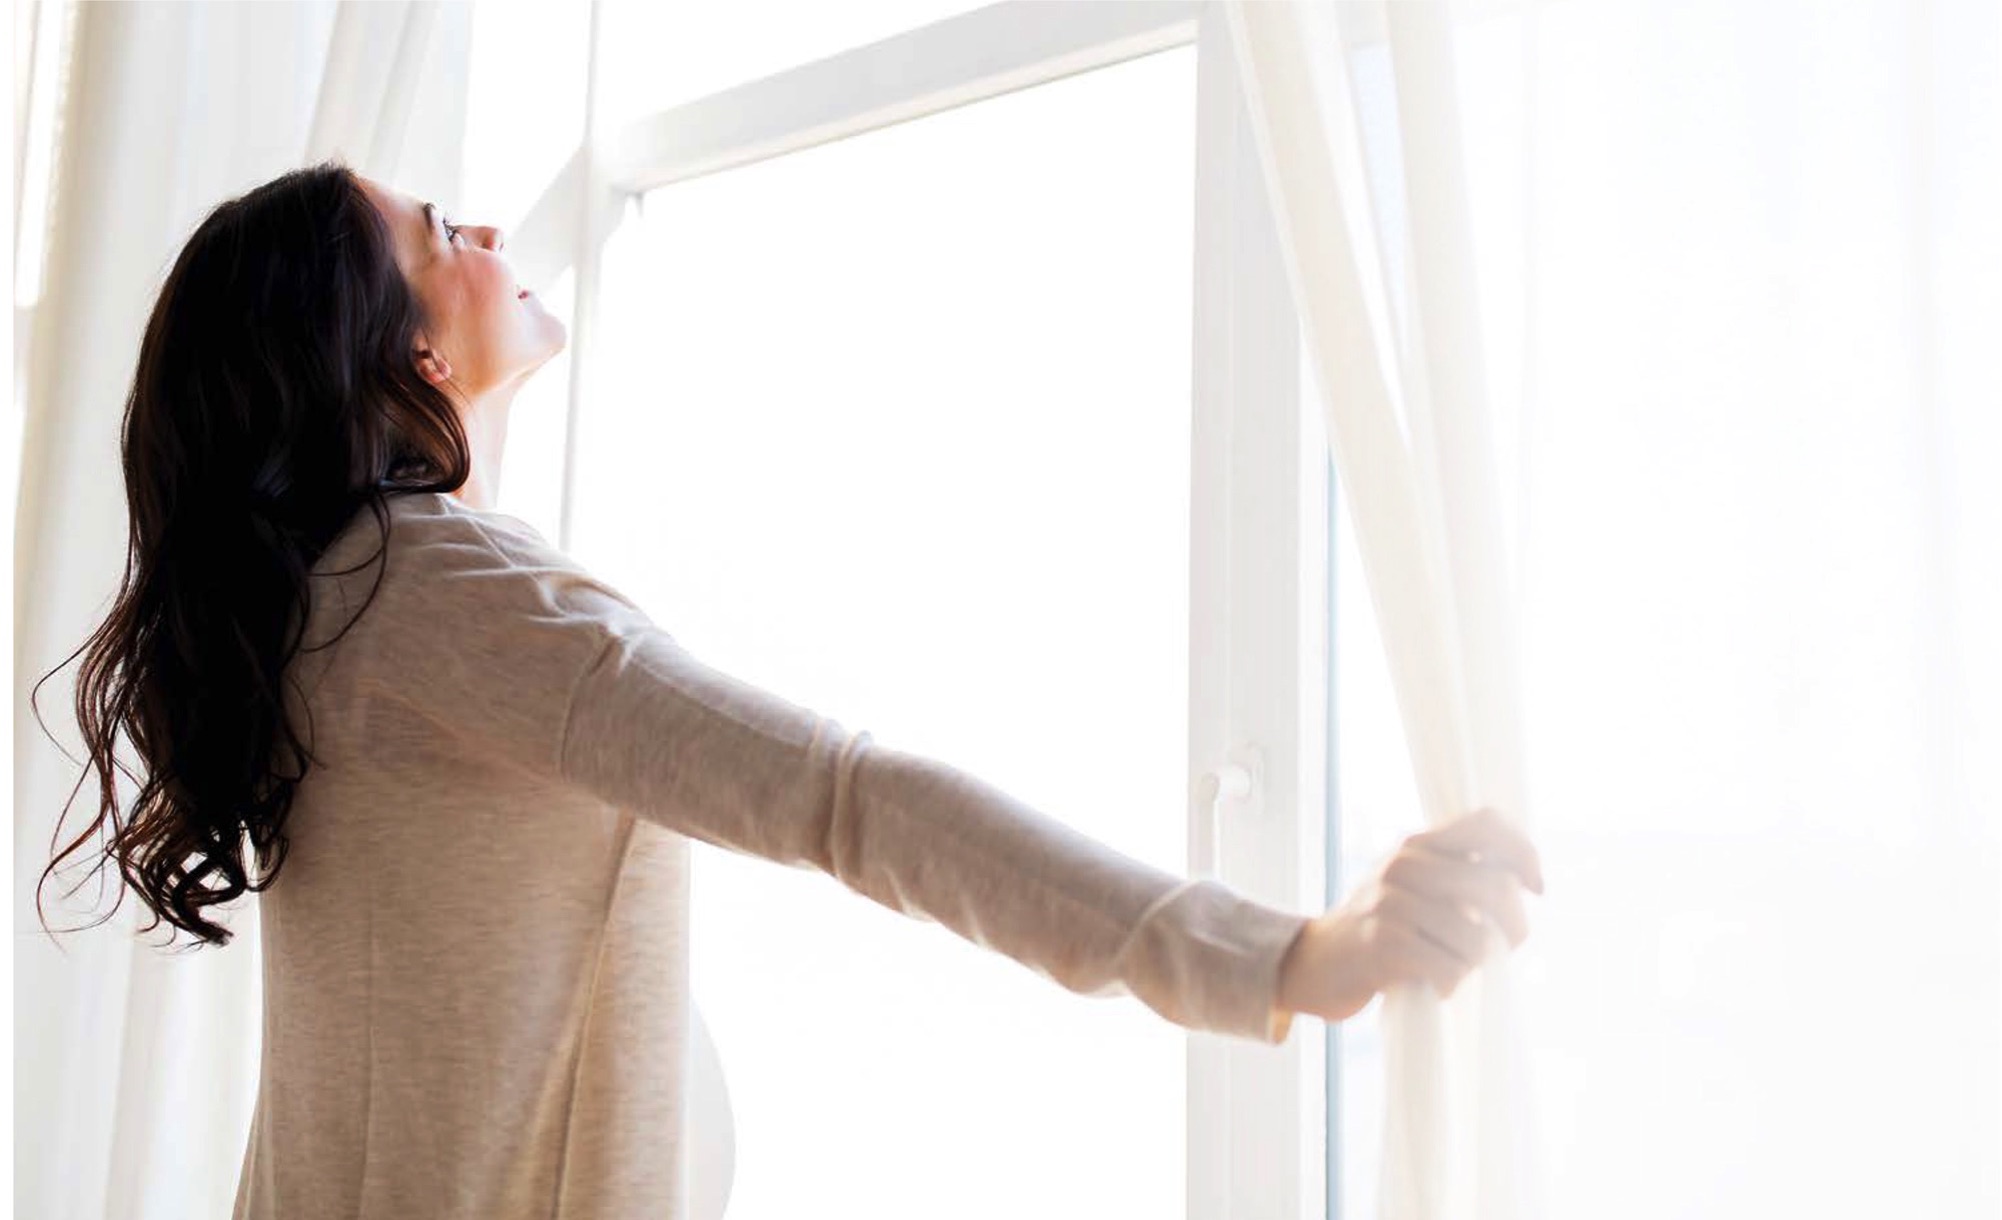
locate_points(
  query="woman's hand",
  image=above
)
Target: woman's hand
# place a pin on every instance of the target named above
(1421, 918)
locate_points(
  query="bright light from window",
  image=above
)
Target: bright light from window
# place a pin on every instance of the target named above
(897, 428)
(518, 138)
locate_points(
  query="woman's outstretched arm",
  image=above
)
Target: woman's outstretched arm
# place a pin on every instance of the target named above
(536, 660)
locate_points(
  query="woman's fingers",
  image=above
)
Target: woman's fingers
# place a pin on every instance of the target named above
(1423, 918)
(1506, 910)
(1418, 959)
(1486, 837)
(1490, 892)
(1443, 923)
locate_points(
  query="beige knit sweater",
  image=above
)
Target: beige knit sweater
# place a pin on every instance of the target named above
(475, 956)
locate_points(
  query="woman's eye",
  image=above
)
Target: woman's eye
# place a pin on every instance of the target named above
(451, 231)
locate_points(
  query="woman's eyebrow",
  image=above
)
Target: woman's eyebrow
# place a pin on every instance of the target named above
(430, 221)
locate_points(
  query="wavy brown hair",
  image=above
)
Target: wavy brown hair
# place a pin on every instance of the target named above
(273, 399)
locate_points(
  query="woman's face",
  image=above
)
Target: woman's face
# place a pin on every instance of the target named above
(486, 333)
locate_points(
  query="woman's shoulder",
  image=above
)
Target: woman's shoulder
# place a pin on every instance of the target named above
(445, 551)
(432, 563)
(426, 530)
(467, 617)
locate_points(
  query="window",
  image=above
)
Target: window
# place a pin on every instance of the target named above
(948, 386)
(900, 429)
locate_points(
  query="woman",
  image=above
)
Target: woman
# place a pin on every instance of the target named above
(478, 766)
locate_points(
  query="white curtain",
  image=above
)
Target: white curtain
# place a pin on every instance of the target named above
(1419, 471)
(136, 1068)
(1656, 344)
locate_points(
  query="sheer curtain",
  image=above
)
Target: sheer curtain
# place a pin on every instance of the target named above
(1656, 346)
(136, 1068)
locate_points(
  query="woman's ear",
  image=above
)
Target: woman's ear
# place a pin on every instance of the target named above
(433, 367)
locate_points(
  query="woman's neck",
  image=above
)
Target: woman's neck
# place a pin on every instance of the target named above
(486, 435)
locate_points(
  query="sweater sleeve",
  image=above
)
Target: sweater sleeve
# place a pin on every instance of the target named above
(553, 669)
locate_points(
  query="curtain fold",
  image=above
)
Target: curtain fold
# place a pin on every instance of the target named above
(137, 1068)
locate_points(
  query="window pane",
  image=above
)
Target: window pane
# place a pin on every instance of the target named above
(897, 427)
(1376, 805)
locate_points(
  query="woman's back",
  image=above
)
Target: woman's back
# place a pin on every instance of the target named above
(468, 966)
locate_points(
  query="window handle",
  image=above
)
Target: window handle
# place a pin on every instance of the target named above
(1232, 784)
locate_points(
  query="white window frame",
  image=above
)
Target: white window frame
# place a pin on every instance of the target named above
(1258, 665)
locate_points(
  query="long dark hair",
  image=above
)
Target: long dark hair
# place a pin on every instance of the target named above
(274, 398)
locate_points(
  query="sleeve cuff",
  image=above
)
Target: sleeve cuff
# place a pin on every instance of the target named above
(1209, 959)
